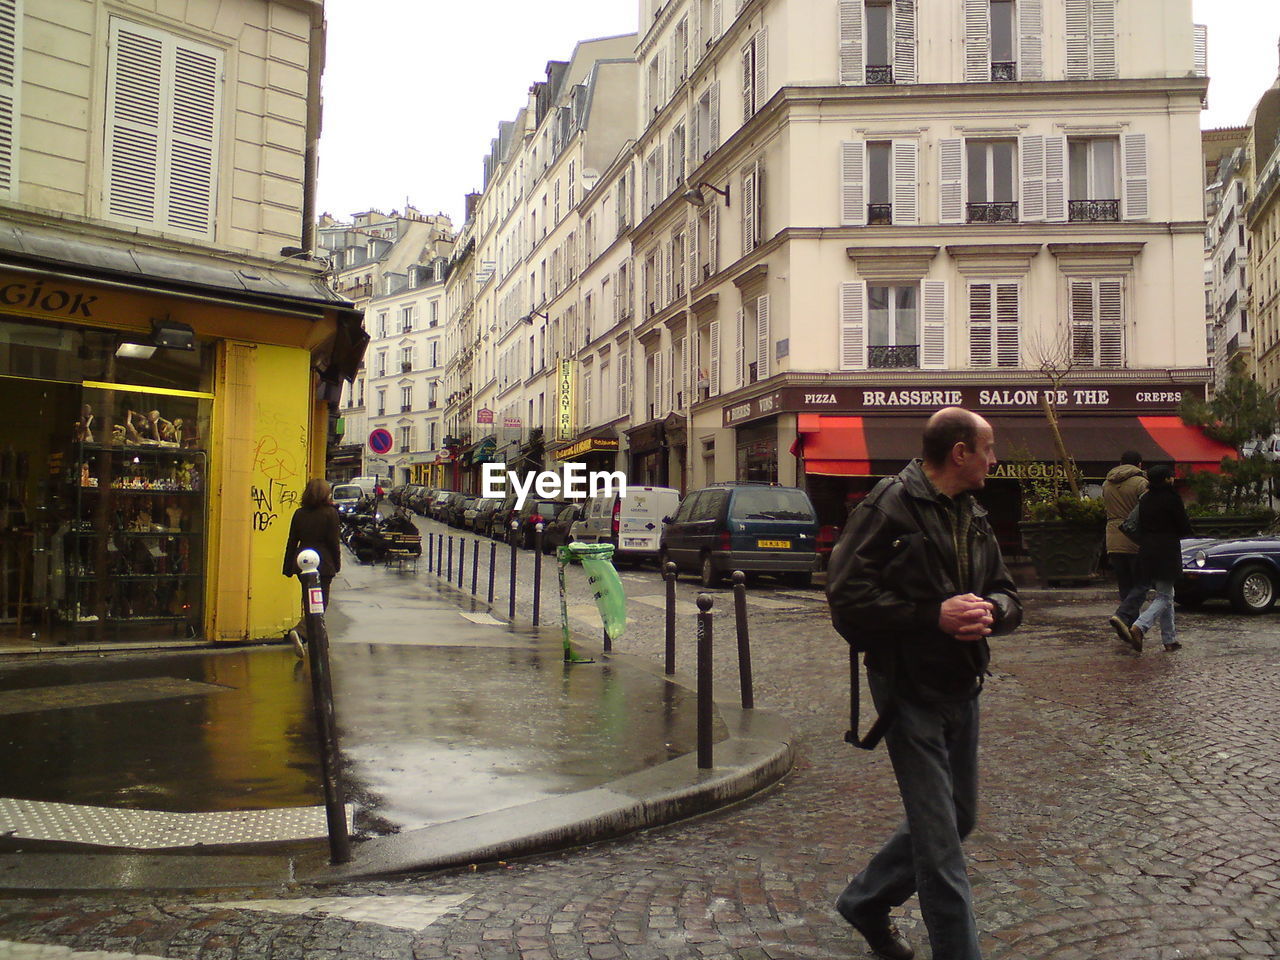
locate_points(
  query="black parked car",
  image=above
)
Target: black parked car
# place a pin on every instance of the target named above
(500, 519)
(449, 509)
(420, 499)
(532, 513)
(1244, 570)
(557, 532)
(752, 527)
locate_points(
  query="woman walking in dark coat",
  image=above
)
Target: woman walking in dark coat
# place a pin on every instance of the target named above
(314, 527)
(1162, 523)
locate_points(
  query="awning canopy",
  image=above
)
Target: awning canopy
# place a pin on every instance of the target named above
(875, 446)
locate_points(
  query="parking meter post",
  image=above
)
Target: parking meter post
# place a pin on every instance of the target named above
(744, 639)
(475, 565)
(669, 575)
(537, 573)
(511, 596)
(322, 703)
(704, 681)
(493, 566)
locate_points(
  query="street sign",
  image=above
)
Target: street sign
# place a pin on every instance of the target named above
(380, 441)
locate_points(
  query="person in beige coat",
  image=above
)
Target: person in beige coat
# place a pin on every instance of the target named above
(1125, 484)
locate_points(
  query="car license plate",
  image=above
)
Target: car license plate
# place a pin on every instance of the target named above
(774, 544)
(633, 542)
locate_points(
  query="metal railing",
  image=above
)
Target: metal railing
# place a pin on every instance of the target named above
(903, 357)
(1093, 211)
(997, 212)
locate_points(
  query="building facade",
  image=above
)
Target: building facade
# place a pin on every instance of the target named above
(1227, 270)
(1261, 216)
(167, 338)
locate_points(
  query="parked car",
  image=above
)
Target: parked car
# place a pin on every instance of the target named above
(458, 510)
(395, 493)
(533, 512)
(437, 503)
(346, 496)
(500, 519)
(559, 531)
(469, 510)
(752, 527)
(1243, 570)
(632, 523)
(484, 509)
(449, 507)
(421, 499)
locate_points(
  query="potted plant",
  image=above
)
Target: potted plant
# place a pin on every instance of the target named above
(1062, 531)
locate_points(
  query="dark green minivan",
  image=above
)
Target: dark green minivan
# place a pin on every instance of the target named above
(752, 527)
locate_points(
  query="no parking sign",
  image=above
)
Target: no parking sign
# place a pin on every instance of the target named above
(380, 440)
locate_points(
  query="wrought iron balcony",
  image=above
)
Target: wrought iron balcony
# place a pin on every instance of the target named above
(1093, 211)
(879, 214)
(900, 357)
(1004, 70)
(880, 74)
(1001, 212)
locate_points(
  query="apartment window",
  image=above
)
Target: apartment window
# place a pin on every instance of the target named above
(1004, 61)
(879, 40)
(1093, 171)
(624, 289)
(586, 398)
(993, 324)
(406, 399)
(588, 317)
(879, 182)
(431, 435)
(382, 403)
(382, 324)
(754, 74)
(879, 197)
(893, 329)
(406, 320)
(435, 313)
(162, 130)
(433, 396)
(406, 435)
(360, 392)
(1097, 321)
(992, 192)
(707, 122)
(434, 353)
(382, 363)
(675, 156)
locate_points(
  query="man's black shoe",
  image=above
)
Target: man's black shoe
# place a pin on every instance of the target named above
(884, 939)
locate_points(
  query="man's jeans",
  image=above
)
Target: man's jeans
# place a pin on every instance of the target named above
(1130, 584)
(934, 750)
(1161, 609)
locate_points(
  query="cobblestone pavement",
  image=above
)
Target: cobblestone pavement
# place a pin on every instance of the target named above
(1130, 812)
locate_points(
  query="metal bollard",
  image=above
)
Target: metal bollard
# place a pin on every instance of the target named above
(447, 572)
(462, 560)
(537, 572)
(744, 639)
(704, 681)
(475, 564)
(669, 575)
(431, 551)
(322, 701)
(493, 566)
(511, 597)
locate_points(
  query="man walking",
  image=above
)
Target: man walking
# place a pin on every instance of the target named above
(1124, 486)
(917, 580)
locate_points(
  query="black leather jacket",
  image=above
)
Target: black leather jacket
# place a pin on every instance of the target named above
(891, 570)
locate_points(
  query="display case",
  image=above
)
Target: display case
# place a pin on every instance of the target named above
(132, 547)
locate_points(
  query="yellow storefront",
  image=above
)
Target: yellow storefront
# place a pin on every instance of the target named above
(160, 435)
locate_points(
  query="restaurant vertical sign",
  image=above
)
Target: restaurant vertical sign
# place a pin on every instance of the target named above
(566, 400)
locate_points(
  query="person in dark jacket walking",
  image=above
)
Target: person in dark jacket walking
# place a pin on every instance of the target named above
(315, 526)
(1162, 524)
(918, 580)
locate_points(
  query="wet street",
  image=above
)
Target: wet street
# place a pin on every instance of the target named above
(1130, 811)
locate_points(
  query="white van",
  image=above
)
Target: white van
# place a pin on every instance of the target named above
(633, 524)
(367, 484)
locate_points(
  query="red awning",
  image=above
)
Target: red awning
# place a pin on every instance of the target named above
(869, 446)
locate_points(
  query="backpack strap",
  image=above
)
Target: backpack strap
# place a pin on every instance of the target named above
(882, 720)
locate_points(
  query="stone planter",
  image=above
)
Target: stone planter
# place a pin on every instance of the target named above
(1226, 526)
(1063, 549)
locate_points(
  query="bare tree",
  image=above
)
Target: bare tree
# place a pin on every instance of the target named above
(1055, 361)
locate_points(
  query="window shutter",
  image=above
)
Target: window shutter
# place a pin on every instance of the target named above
(763, 343)
(624, 365)
(853, 326)
(1077, 13)
(762, 68)
(981, 335)
(1082, 317)
(660, 91)
(586, 399)
(10, 85)
(853, 191)
(717, 20)
(951, 181)
(1008, 309)
(1111, 323)
(696, 134)
(904, 41)
(933, 333)
(671, 271)
(713, 363)
(1102, 30)
(740, 350)
(748, 84)
(906, 175)
(656, 386)
(1201, 55)
(692, 234)
(713, 237)
(659, 194)
(977, 40)
(713, 134)
(136, 86)
(1055, 179)
(696, 40)
(748, 212)
(1031, 153)
(1031, 40)
(759, 234)
(683, 356)
(852, 69)
(1134, 186)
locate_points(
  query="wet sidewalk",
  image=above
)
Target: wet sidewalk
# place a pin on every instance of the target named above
(463, 740)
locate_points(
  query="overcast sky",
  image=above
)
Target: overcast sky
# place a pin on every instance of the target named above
(414, 89)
